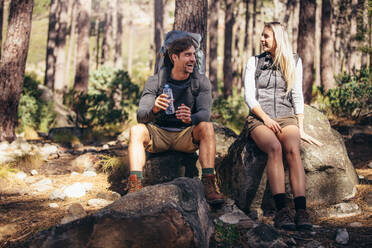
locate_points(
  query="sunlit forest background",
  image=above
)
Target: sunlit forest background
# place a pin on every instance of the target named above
(88, 60)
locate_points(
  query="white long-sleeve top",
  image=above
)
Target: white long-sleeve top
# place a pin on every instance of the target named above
(250, 87)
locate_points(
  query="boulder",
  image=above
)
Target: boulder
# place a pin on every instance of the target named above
(173, 214)
(330, 176)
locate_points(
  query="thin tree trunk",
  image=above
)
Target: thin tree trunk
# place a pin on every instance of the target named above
(337, 36)
(250, 30)
(1, 23)
(60, 85)
(227, 60)
(72, 39)
(107, 42)
(51, 43)
(118, 59)
(288, 11)
(236, 52)
(82, 65)
(97, 31)
(159, 24)
(192, 16)
(254, 27)
(326, 62)
(318, 37)
(213, 45)
(295, 23)
(130, 48)
(13, 65)
(306, 41)
(353, 62)
(364, 61)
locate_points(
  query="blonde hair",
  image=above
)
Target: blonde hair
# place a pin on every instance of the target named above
(283, 53)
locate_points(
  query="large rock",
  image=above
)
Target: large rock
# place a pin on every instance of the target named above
(174, 214)
(330, 176)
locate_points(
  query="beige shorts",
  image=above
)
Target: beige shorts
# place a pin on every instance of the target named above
(162, 140)
(253, 121)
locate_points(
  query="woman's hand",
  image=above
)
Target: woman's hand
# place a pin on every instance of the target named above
(273, 125)
(309, 139)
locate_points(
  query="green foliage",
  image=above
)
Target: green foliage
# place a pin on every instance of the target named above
(230, 112)
(109, 164)
(353, 95)
(111, 97)
(226, 234)
(32, 110)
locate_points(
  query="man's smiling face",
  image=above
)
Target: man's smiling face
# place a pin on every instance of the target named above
(185, 61)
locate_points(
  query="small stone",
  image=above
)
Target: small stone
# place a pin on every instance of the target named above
(89, 174)
(74, 212)
(234, 217)
(314, 244)
(21, 175)
(360, 177)
(34, 172)
(98, 203)
(42, 185)
(356, 224)
(106, 146)
(74, 173)
(57, 195)
(110, 196)
(47, 150)
(88, 186)
(42, 188)
(344, 210)
(53, 205)
(342, 236)
(75, 190)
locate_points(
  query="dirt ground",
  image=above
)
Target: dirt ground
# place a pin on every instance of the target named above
(22, 215)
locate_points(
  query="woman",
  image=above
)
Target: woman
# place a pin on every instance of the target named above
(273, 93)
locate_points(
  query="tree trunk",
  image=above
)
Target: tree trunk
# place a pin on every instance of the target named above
(236, 59)
(318, 37)
(295, 23)
(13, 65)
(254, 27)
(130, 46)
(159, 24)
(118, 59)
(326, 62)
(1, 23)
(364, 61)
(60, 84)
(306, 41)
(213, 45)
(72, 40)
(337, 37)
(82, 63)
(227, 62)
(51, 44)
(192, 16)
(107, 35)
(353, 62)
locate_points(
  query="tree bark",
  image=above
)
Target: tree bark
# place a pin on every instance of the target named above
(13, 65)
(236, 59)
(326, 55)
(82, 63)
(364, 61)
(118, 59)
(227, 60)
(107, 42)
(295, 23)
(318, 38)
(192, 16)
(159, 24)
(354, 59)
(213, 45)
(60, 84)
(72, 40)
(254, 27)
(1, 23)
(51, 44)
(306, 41)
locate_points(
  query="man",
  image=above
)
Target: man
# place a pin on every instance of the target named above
(187, 130)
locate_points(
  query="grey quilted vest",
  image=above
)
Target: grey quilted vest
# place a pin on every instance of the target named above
(271, 88)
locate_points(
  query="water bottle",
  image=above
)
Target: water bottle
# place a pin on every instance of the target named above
(168, 91)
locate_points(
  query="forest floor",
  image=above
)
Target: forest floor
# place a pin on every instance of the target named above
(22, 215)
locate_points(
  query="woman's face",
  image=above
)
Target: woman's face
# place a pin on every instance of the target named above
(268, 40)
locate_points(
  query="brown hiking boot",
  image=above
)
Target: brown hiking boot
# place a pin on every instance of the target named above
(134, 184)
(284, 219)
(210, 190)
(302, 220)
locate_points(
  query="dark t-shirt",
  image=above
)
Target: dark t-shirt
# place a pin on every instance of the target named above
(181, 91)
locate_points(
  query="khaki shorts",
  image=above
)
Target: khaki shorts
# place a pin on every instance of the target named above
(162, 140)
(253, 121)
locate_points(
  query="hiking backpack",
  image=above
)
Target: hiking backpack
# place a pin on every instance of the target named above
(163, 60)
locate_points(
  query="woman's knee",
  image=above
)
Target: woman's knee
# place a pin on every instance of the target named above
(274, 149)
